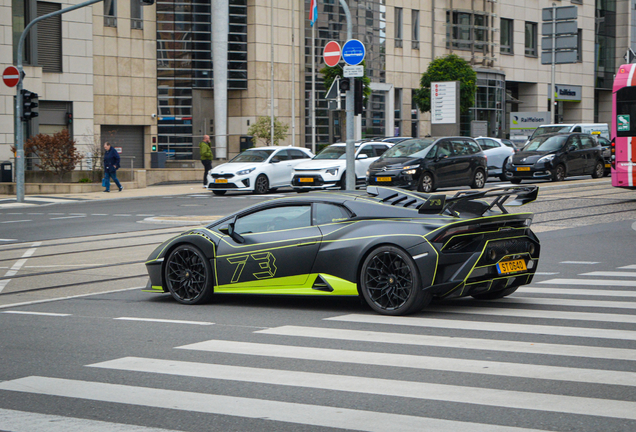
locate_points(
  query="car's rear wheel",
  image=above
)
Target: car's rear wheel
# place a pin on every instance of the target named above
(218, 192)
(426, 183)
(515, 181)
(599, 170)
(343, 181)
(495, 295)
(558, 174)
(390, 282)
(188, 275)
(479, 180)
(261, 185)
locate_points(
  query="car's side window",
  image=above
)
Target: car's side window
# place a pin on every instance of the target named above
(577, 129)
(379, 149)
(472, 147)
(297, 154)
(367, 150)
(329, 213)
(574, 141)
(281, 156)
(486, 144)
(460, 148)
(444, 149)
(432, 153)
(274, 219)
(587, 142)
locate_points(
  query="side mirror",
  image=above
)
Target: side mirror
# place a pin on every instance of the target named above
(440, 157)
(225, 230)
(233, 234)
(362, 156)
(572, 148)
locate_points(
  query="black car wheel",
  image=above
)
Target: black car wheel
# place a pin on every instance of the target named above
(261, 185)
(495, 295)
(558, 174)
(188, 275)
(218, 192)
(390, 282)
(515, 181)
(343, 181)
(426, 183)
(599, 170)
(479, 180)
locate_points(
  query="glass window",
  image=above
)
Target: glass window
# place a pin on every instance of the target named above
(110, 13)
(398, 27)
(281, 156)
(409, 148)
(575, 141)
(444, 149)
(136, 14)
(253, 156)
(297, 154)
(546, 143)
(486, 143)
(587, 142)
(379, 149)
(329, 213)
(467, 31)
(415, 26)
(531, 39)
(274, 219)
(367, 150)
(507, 32)
(472, 147)
(579, 45)
(460, 148)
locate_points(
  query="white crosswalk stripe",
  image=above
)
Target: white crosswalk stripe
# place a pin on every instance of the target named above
(594, 282)
(579, 292)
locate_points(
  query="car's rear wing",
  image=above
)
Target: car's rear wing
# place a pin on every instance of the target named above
(472, 202)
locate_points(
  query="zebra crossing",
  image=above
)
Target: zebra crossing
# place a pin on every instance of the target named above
(548, 357)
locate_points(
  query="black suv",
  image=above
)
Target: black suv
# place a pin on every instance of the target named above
(556, 156)
(428, 163)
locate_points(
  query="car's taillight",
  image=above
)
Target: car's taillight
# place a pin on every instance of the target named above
(454, 231)
(613, 150)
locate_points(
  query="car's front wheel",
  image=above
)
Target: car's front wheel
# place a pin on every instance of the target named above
(188, 275)
(479, 180)
(261, 185)
(495, 295)
(558, 174)
(390, 282)
(426, 183)
(515, 181)
(219, 192)
(599, 170)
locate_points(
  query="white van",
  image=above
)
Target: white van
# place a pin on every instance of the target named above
(596, 129)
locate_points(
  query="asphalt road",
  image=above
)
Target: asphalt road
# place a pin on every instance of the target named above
(558, 355)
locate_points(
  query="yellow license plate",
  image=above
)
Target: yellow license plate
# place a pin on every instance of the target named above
(608, 165)
(220, 181)
(514, 266)
(383, 179)
(306, 180)
(523, 168)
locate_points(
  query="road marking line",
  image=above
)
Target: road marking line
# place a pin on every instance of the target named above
(380, 386)
(145, 215)
(454, 342)
(629, 267)
(68, 297)
(288, 412)
(14, 213)
(18, 265)
(610, 274)
(66, 217)
(16, 221)
(8, 240)
(164, 321)
(579, 262)
(447, 364)
(122, 215)
(35, 313)
(35, 213)
(521, 300)
(578, 292)
(453, 324)
(593, 282)
(99, 214)
(546, 273)
(19, 421)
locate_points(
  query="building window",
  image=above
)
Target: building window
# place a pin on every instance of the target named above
(110, 13)
(507, 31)
(467, 31)
(531, 39)
(415, 29)
(398, 27)
(398, 111)
(579, 45)
(49, 38)
(136, 15)
(21, 16)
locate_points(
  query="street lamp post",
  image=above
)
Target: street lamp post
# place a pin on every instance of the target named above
(351, 149)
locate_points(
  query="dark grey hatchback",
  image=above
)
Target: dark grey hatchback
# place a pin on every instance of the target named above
(428, 163)
(556, 156)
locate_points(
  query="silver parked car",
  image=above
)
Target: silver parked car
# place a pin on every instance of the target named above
(497, 153)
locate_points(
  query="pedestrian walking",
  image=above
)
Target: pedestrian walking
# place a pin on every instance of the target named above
(111, 165)
(206, 158)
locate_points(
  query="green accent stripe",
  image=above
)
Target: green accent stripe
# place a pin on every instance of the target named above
(296, 285)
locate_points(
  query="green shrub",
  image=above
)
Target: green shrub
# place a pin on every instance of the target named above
(84, 180)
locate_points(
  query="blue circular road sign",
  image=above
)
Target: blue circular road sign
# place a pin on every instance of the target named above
(353, 52)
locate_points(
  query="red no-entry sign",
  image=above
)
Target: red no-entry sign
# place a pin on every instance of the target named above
(11, 76)
(331, 53)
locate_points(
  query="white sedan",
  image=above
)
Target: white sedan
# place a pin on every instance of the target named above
(496, 152)
(327, 168)
(258, 170)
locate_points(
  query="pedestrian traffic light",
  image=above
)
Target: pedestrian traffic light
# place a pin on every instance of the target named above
(154, 147)
(345, 85)
(358, 97)
(29, 103)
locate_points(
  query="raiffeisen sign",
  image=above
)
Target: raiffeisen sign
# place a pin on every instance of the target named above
(528, 120)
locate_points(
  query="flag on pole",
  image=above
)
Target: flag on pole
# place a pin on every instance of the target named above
(313, 12)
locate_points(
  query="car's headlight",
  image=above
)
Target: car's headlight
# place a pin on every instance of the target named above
(409, 172)
(367, 173)
(245, 171)
(408, 167)
(332, 171)
(547, 158)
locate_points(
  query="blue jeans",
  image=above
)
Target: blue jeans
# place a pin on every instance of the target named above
(108, 176)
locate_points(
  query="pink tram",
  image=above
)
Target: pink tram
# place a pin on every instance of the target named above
(623, 129)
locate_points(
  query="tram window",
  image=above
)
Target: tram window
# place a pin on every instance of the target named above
(626, 105)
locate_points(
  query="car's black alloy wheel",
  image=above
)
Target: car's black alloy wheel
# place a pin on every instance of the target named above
(426, 183)
(599, 170)
(188, 275)
(390, 282)
(479, 180)
(261, 185)
(558, 174)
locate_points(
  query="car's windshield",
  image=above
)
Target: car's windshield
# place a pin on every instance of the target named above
(546, 144)
(410, 148)
(549, 129)
(253, 156)
(333, 152)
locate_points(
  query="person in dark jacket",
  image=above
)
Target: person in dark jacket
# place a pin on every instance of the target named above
(111, 165)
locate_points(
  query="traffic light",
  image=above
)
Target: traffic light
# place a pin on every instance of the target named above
(345, 85)
(154, 147)
(358, 97)
(29, 103)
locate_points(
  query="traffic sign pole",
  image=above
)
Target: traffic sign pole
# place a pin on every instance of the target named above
(553, 68)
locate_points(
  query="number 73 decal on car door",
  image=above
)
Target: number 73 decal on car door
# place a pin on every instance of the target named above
(265, 260)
